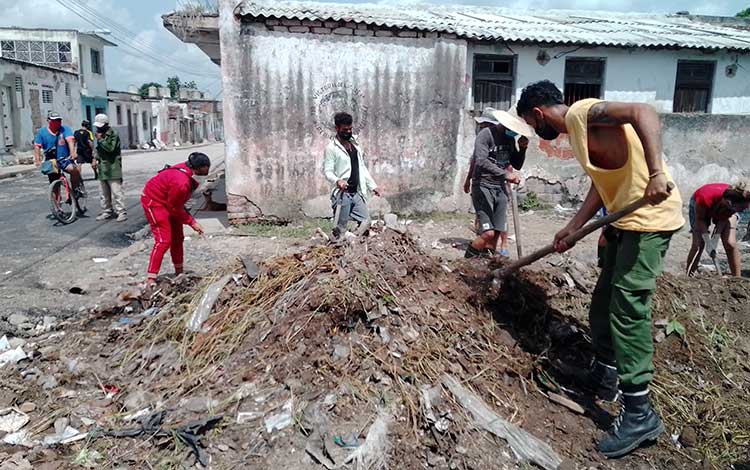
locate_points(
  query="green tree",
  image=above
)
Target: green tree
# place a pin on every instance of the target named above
(190, 85)
(174, 86)
(744, 13)
(143, 90)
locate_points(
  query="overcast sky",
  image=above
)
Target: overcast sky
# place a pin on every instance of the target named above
(143, 18)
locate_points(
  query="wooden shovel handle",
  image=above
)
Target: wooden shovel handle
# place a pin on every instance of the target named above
(576, 236)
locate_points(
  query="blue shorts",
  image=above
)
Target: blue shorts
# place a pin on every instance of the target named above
(64, 163)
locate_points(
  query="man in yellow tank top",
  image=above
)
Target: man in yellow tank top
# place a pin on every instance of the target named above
(619, 147)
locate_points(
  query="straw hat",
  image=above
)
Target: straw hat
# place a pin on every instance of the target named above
(512, 122)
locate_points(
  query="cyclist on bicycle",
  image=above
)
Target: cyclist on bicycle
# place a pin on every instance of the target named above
(57, 142)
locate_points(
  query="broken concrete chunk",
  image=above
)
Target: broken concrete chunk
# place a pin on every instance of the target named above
(281, 420)
(4, 344)
(252, 269)
(66, 435)
(20, 438)
(340, 352)
(17, 343)
(12, 419)
(199, 404)
(391, 220)
(139, 399)
(248, 416)
(17, 319)
(27, 407)
(660, 336)
(48, 382)
(12, 356)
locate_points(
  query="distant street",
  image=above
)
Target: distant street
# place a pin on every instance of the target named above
(31, 244)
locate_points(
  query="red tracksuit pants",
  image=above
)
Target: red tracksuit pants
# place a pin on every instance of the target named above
(168, 235)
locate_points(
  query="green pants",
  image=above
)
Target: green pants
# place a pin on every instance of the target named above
(620, 314)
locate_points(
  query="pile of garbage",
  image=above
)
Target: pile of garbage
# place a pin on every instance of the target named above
(366, 355)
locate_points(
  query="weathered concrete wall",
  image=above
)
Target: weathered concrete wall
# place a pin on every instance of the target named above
(704, 149)
(281, 91)
(28, 111)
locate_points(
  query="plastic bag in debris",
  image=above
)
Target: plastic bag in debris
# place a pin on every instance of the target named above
(206, 304)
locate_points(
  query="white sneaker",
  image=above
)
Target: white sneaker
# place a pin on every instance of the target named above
(122, 217)
(104, 216)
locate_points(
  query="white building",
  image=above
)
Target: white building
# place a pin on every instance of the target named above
(28, 93)
(414, 78)
(79, 52)
(131, 117)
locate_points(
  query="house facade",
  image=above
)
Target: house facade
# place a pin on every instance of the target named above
(28, 92)
(79, 52)
(414, 79)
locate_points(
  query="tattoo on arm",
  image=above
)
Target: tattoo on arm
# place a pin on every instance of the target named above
(599, 114)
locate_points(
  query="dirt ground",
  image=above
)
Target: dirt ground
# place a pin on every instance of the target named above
(329, 355)
(105, 272)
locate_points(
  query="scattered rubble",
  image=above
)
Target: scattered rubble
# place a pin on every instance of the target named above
(372, 355)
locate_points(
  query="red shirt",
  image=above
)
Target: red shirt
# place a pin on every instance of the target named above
(172, 188)
(710, 194)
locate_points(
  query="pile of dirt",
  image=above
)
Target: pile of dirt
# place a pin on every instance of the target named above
(352, 355)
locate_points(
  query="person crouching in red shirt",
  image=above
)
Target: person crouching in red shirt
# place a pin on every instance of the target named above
(163, 201)
(719, 204)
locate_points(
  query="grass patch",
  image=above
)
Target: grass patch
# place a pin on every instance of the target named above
(531, 202)
(304, 228)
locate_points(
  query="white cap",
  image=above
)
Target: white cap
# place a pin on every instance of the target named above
(100, 120)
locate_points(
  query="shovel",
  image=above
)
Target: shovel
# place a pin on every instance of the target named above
(711, 248)
(502, 273)
(516, 219)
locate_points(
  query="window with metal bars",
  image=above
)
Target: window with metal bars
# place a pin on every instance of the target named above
(584, 78)
(53, 53)
(67, 89)
(47, 96)
(18, 85)
(493, 81)
(693, 86)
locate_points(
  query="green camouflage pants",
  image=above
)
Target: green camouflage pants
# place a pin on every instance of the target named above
(620, 314)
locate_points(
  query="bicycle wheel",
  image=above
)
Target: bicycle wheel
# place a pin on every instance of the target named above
(61, 201)
(81, 197)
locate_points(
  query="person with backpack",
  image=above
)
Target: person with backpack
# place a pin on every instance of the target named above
(84, 139)
(109, 166)
(163, 201)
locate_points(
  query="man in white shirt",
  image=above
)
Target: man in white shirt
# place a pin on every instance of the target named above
(344, 166)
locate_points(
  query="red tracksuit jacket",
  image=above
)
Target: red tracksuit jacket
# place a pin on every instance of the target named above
(172, 188)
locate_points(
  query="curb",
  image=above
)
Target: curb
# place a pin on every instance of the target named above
(20, 172)
(170, 149)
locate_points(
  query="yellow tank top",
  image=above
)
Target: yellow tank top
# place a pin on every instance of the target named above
(620, 187)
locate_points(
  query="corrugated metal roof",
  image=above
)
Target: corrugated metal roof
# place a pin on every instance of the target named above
(500, 24)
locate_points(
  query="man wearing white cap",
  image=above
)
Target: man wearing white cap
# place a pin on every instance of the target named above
(495, 155)
(109, 165)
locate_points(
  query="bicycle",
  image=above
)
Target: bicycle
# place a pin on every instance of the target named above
(66, 204)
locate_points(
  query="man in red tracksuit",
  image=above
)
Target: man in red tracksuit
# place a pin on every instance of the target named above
(163, 201)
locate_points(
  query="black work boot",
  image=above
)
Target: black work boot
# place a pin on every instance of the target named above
(600, 379)
(637, 423)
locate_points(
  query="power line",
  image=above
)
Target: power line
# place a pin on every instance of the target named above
(117, 27)
(157, 58)
(143, 54)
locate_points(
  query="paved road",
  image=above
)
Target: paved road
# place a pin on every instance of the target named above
(29, 240)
